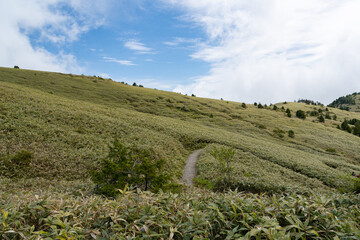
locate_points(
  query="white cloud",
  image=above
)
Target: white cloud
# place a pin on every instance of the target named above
(122, 62)
(179, 40)
(48, 20)
(275, 50)
(105, 75)
(138, 46)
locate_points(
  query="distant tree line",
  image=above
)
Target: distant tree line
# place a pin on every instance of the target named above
(310, 102)
(348, 100)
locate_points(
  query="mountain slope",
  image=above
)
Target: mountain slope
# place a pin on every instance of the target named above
(349, 102)
(67, 122)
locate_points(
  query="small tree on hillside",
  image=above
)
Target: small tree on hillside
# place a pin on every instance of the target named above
(224, 156)
(288, 112)
(300, 114)
(129, 166)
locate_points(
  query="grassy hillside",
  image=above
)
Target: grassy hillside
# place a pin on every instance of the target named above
(66, 122)
(349, 102)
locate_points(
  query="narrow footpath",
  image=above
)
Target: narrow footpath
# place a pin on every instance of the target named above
(190, 169)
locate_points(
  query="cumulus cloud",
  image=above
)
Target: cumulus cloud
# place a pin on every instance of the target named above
(48, 21)
(122, 62)
(275, 50)
(137, 46)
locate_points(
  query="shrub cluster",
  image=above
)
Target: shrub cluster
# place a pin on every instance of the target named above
(129, 166)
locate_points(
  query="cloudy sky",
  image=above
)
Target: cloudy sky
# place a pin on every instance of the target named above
(250, 51)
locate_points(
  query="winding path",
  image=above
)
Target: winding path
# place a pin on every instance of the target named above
(190, 169)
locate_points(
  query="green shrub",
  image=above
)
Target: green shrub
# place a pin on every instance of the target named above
(345, 126)
(300, 114)
(129, 166)
(224, 156)
(17, 67)
(321, 118)
(243, 105)
(331, 150)
(356, 130)
(291, 133)
(278, 132)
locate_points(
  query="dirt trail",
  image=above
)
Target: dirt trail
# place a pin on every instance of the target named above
(190, 170)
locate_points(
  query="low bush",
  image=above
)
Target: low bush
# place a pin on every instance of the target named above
(129, 166)
(300, 114)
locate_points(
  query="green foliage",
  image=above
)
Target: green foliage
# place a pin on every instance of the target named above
(351, 183)
(279, 132)
(331, 150)
(291, 134)
(16, 67)
(275, 107)
(129, 166)
(348, 99)
(300, 114)
(321, 118)
(345, 126)
(288, 112)
(195, 214)
(327, 116)
(17, 165)
(224, 157)
(356, 129)
(243, 105)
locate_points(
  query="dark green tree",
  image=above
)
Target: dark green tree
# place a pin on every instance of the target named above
(129, 166)
(300, 114)
(356, 130)
(321, 118)
(291, 133)
(345, 126)
(288, 112)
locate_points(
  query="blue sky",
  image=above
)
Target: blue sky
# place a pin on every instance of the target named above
(150, 46)
(249, 51)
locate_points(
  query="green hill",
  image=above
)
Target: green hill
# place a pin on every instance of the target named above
(66, 122)
(349, 102)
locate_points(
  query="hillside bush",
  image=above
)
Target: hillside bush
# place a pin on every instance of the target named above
(288, 112)
(345, 126)
(129, 166)
(16, 67)
(321, 118)
(291, 133)
(356, 129)
(300, 114)
(278, 132)
(224, 157)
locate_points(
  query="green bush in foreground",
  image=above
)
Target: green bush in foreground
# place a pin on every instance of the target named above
(129, 166)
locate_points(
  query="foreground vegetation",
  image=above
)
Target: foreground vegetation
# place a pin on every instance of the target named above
(191, 215)
(56, 129)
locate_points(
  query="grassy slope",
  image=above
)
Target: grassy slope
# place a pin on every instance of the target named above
(67, 121)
